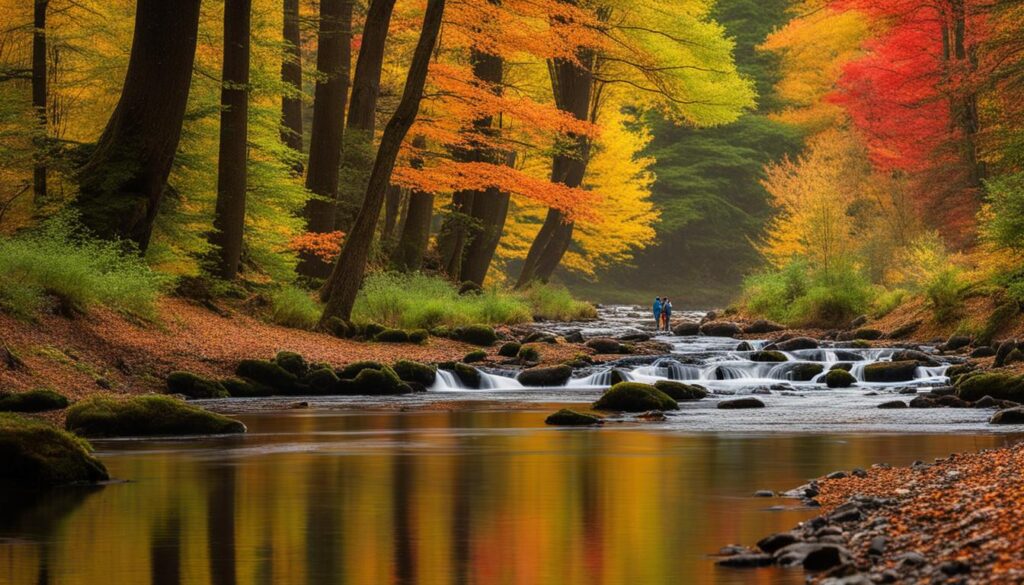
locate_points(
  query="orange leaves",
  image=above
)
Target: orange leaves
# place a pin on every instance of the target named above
(448, 175)
(325, 246)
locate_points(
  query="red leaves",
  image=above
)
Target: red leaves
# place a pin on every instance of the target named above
(325, 246)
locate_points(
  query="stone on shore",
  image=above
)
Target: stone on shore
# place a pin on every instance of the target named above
(144, 416)
(35, 453)
(39, 400)
(195, 386)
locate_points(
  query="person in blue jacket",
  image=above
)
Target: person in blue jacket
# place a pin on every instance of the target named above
(657, 313)
(666, 313)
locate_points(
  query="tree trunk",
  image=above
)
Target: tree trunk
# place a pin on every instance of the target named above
(392, 209)
(333, 58)
(229, 215)
(357, 156)
(122, 183)
(572, 83)
(291, 77)
(39, 91)
(347, 277)
(462, 227)
(490, 210)
(412, 245)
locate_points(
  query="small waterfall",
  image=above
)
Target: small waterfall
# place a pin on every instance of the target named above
(498, 382)
(857, 371)
(446, 381)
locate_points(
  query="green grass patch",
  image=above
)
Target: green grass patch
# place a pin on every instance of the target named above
(799, 296)
(291, 306)
(56, 263)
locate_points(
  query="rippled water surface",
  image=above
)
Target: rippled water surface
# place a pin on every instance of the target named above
(469, 496)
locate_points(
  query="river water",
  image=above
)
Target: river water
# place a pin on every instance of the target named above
(463, 488)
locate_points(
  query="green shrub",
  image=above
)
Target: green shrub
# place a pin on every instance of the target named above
(56, 262)
(886, 302)
(799, 296)
(294, 307)
(945, 293)
(40, 400)
(152, 415)
(35, 453)
(194, 386)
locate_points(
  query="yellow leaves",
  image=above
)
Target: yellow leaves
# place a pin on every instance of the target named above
(813, 50)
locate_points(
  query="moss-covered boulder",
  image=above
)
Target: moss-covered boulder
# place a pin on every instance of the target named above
(374, 382)
(571, 418)
(550, 376)
(145, 416)
(741, 403)
(195, 386)
(510, 349)
(907, 355)
(838, 378)
(352, 370)
(370, 330)
(762, 326)
(679, 391)
(392, 336)
(418, 336)
(720, 329)
(36, 453)
(468, 375)
(528, 353)
(474, 357)
(321, 382)
(269, 374)
(605, 345)
(845, 366)
(997, 385)
(804, 372)
(767, 356)
(239, 388)
(902, 371)
(797, 343)
(482, 335)
(40, 400)
(1009, 416)
(410, 371)
(339, 327)
(292, 363)
(634, 397)
(868, 334)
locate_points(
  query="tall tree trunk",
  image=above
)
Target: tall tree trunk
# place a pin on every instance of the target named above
(412, 245)
(291, 76)
(573, 84)
(39, 91)
(461, 227)
(357, 156)
(333, 59)
(122, 183)
(392, 210)
(966, 106)
(490, 210)
(232, 176)
(347, 277)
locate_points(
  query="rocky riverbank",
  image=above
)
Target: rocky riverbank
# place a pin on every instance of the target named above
(954, 520)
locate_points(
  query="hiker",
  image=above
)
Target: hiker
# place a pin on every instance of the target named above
(666, 313)
(657, 313)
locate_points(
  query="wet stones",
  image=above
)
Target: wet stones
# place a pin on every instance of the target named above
(805, 372)
(606, 345)
(545, 376)
(680, 391)
(770, 544)
(914, 355)
(572, 418)
(1009, 416)
(839, 378)
(797, 343)
(767, 356)
(997, 385)
(686, 328)
(720, 329)
(740, 403)
(634, 397)
(900, 371)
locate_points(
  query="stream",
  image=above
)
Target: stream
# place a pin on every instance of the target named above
(458, 486)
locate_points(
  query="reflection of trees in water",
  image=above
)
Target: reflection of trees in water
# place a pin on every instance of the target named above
(165, 549)
(220, 524)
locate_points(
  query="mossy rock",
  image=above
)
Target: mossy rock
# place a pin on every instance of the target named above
(268, 374)
(605, 345)
(410, 371)
(634, 397)
(370, 330)
(194, 386)
(40, 400)
(482, 335)
(322, 381)
(797, 343)
(617, 375)
(36, 453)
(545, 377)
(239, 388)
(768, 356)
(845, 366)
(741, 403)
(805, 372)
(392, 336)
(145, 416)
(860, 344)
(902, 371)
(510, 349)
(867, 334)
(418, 336)
(960, 369)
(442, 331)
(1009, 416)
(528, 353)
(378, 383)
(680, 391)
(469, 375)
(292, 363)
(474, 356)
(338, 327)
(997, 385)
(352, 370)
(572, 418)
(838, 378)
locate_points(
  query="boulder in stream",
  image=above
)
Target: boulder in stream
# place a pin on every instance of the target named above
(634, 397)
(767, 356)
(1009, 416)
(685, 328)
(545, 376)
(839, 378)
(804, 372)
(269, 374)
(572, 418)
(720, 329)
(995, 384)
(902, 371)
(681, 391)
(797, 343)
(36, 453)
(739, 403)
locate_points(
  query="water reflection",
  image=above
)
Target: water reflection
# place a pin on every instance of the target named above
(429, 497)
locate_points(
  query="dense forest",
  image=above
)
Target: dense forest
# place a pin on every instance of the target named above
(811, 160)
